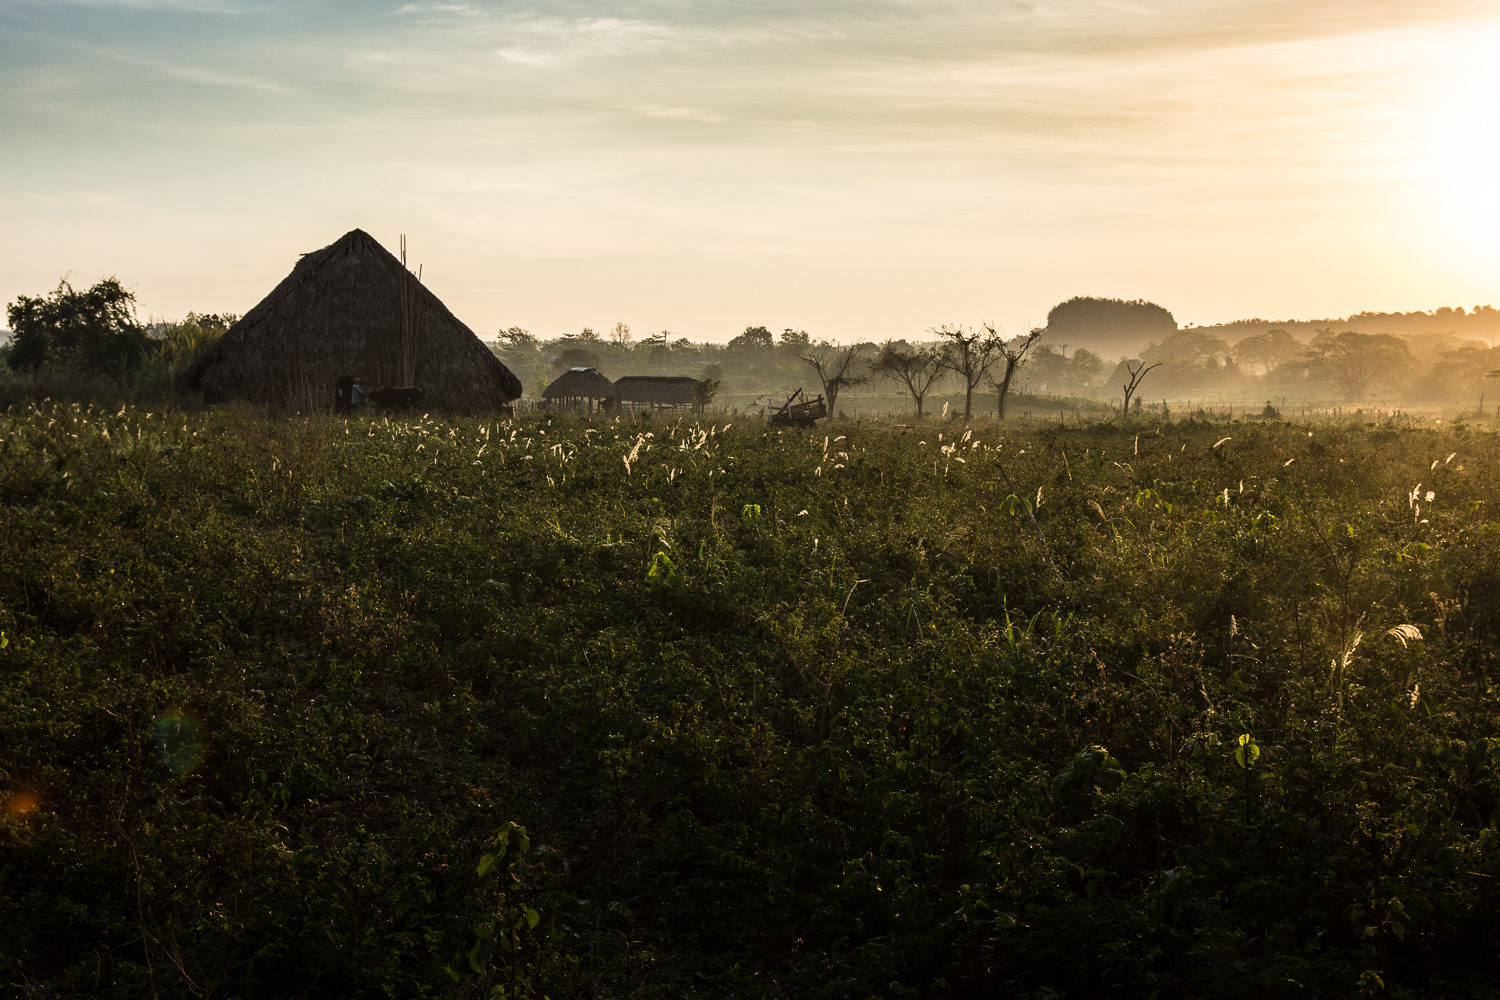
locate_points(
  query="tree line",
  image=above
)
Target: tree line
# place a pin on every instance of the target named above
(94, 335)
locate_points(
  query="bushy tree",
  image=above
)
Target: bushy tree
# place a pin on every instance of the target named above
(1354, 363)
(1047, 368)
(755, 338)
(1464, 373)
(1188, 359)
(1263, 353)
(93, 332)
(1085, 368)
(576, 356)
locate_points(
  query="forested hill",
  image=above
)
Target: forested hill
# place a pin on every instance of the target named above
(1114, 327)
(1479, 323)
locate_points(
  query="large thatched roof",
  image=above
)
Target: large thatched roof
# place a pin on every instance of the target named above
(580, 383)
(673, 389)
(351, 309)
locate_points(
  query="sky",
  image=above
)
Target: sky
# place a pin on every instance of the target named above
(858, 170)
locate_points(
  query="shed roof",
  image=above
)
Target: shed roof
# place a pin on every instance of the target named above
(585, 383)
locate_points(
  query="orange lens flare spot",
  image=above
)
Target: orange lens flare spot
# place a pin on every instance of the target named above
(21, 804)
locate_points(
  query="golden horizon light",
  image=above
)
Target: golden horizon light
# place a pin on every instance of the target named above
(860, 172)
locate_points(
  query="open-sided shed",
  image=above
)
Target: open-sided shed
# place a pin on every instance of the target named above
(660, 392)
(579, 389)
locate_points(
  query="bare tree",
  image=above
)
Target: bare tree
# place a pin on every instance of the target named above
(916, 369)
(1134, 381)
(834, 366)
(1012, 355)
(969, 354)
(621, 334)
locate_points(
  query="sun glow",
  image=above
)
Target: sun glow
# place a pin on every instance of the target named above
(1454, 136)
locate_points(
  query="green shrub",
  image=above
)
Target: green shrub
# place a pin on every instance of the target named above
(581, 708)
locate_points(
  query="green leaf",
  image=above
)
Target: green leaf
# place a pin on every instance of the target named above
(532, 917)
(486, 862)
(479, 955)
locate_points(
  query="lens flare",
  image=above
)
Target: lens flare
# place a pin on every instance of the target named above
(178, 746)
(19, 805)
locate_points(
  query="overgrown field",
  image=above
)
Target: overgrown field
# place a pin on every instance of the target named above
(781, 714)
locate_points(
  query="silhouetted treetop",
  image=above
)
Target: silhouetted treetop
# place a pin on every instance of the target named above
(755, 338)
(93, 331)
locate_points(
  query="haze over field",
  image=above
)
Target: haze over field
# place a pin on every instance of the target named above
(859, 171)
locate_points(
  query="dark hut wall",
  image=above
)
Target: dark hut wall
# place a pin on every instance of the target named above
(638, 392)
(340, 313)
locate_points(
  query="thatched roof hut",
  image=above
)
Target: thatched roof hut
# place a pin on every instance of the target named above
(657, 390)
(351, 309)
(576, 385)
(1121, 374)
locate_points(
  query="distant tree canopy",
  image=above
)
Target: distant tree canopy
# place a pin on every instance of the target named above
(1357, 362)
(93, 332)
(517, 337)
(576, 357)
(1464, 372)
(755, 338)
(1047, 366)
(1264, 352)
(1048, 369)
(1084, 368)
(1188, 358)
(1084, 317)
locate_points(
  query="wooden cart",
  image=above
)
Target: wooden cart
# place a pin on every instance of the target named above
(797, 414)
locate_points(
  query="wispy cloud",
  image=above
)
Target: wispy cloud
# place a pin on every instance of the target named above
(193, 6)
(211, 78)
(1143, 142)
(686, 114)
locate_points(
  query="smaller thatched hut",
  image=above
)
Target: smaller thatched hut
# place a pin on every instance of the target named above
(580, 389)
(660, 392)
(1121, 374)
